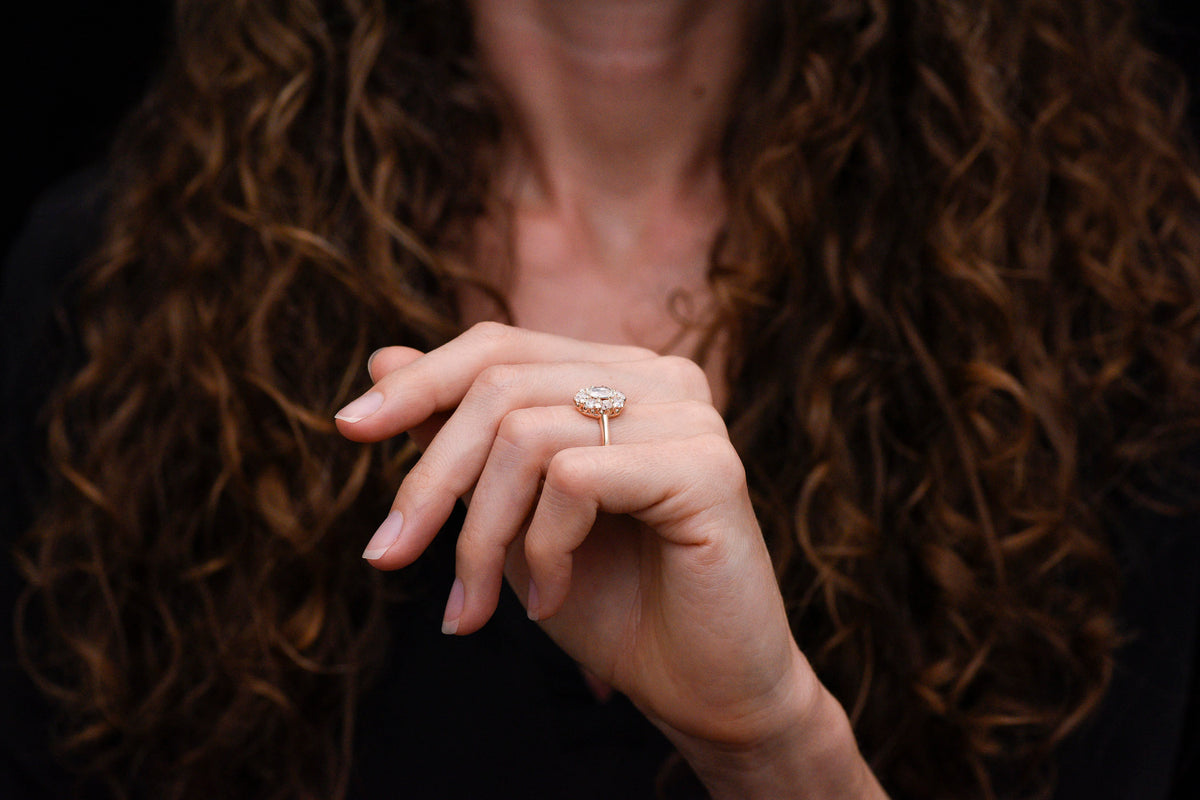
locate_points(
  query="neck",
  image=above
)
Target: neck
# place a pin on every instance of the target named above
(612, 100)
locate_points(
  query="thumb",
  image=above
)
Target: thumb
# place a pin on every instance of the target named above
(390, 359)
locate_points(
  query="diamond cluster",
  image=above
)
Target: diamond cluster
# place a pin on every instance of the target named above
(598, 401)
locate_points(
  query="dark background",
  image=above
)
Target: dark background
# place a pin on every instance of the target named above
(72, 69)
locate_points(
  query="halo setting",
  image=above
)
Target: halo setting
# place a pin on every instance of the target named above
(599, 401)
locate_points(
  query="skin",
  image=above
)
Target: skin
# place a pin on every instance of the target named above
(610, 173)
(642, 560)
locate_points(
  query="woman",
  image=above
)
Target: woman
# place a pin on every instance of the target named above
(903, 300)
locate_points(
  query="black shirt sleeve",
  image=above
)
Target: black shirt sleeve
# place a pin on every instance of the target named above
(62, 228)
(1141, 743)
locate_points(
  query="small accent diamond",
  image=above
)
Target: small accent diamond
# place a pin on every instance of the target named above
(597, 401)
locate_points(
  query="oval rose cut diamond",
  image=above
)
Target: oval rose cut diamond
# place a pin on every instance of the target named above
(597, 401)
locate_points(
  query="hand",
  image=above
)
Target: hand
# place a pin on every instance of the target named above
(642, 560)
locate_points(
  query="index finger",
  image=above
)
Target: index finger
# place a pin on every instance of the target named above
(438, 380)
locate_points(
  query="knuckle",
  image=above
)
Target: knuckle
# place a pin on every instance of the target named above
(570, 472)
(520, 427)
(702, 416)
(722, 460)
(489, 331)
(420, 481)
(497, 379)
(546, 553)
(424, 482)
(688, 375)
(473, 552)
(539, 548)
(637, 353)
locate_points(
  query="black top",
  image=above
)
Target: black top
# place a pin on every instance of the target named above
(504, 713)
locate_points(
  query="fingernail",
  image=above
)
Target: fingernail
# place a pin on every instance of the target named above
(361, 408)
(532, 602)
(385, 536)
(454, 608)
(370, 360)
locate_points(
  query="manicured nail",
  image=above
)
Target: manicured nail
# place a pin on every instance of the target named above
(454, 608)
(532, 602)
(361, 408)
(385, 536)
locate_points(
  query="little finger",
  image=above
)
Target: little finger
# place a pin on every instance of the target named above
(691, 492)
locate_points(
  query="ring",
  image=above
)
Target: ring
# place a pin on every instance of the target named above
(600, 402)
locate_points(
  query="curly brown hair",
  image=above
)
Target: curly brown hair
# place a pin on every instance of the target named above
(960, 282)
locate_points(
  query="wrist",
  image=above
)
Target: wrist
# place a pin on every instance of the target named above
(811, 753)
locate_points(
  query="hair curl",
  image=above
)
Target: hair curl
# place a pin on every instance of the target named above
(961, 236)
